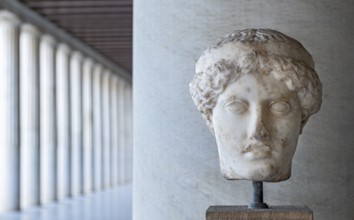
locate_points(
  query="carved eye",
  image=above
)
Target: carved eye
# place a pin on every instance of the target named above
(237, 106)
(280, 106)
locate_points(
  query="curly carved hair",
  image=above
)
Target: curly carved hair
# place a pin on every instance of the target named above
(298, 75)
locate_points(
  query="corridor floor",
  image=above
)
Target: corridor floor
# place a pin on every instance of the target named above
(112, 204)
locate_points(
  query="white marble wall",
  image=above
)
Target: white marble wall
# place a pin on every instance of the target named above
(176, 170)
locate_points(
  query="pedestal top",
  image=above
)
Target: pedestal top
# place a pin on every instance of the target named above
(272, 213)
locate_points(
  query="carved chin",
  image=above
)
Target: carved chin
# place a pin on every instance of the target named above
(265, 173)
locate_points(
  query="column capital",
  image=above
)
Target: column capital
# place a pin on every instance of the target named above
(49, 39)
(122, 83)
(88, 62)
(115, 79)
(118, 78)
(77, 55)
(107, 72)
(98, 68)
(9, 17)
(64, 48)
(30, 29)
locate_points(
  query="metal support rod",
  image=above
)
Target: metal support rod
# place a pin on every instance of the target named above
(257, 196)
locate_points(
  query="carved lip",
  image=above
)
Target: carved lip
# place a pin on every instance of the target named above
(256, 147)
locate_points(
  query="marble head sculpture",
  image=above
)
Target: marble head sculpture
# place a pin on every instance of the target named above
(256, 89)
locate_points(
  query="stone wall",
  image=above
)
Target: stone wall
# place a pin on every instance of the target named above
(176, 170)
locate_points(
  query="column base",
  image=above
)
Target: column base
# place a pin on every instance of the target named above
(272, 213)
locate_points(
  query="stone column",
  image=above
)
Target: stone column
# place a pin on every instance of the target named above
(48, 146)
(175, 156)
(29, 116)
(97, 126)
(121, 130)
(106, 87)
(9, 112)
(114, 130)
(87, 126)
(76, 122)
(129, 134)
(126, 133)
(63, 121)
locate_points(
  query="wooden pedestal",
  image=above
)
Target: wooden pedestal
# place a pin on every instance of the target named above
(272, 213)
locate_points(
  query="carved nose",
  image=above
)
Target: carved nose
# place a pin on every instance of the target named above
(260, 132)
(258, 129)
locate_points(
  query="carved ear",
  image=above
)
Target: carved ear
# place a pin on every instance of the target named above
(303, 122)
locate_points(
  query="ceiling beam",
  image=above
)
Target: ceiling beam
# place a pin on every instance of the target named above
(89, 10)
(44, 25)
(48, 4)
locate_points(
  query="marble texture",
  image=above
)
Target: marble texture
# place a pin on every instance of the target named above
(256, 89)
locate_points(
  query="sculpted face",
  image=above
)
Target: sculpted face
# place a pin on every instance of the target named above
(256, 89)
(257, 121)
